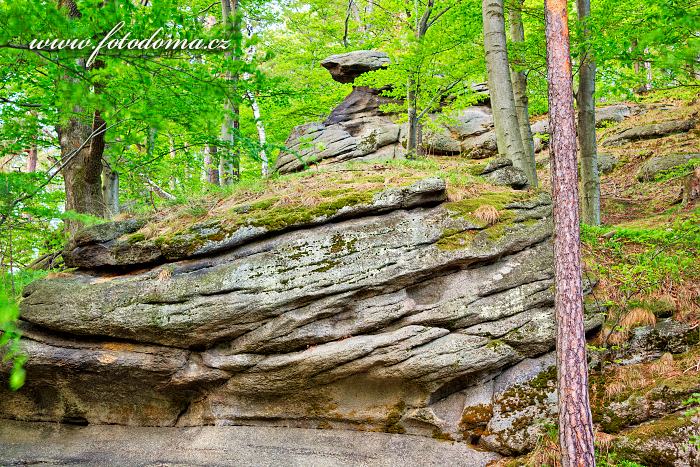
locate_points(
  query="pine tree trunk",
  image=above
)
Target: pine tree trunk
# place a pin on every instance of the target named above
(517, 33)
(575, 423)
(505, 118)
(590, 179)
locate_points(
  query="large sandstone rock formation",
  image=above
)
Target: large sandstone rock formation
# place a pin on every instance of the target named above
(381, 315)
(357, 129)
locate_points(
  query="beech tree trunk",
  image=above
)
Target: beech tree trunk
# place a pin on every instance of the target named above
(590, 179)
(110, 191)
(519, 78)
(508, 139)
(575, 422)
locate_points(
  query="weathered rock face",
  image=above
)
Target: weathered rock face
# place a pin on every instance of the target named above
(655, 130)
(355, 130)
(379, 319)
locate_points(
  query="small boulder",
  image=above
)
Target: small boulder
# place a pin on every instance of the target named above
(607, 163)
(655, 165)
(344, 68)
(495, 164)
(508, 176)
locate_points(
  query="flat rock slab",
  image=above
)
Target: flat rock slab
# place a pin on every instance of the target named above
(23, 443)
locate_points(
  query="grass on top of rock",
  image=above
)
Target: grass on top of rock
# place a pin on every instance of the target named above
(486, 213)
(281, 201)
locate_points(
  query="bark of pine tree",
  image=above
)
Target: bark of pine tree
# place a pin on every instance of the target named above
(575, 422)
(590, 179)
(519, 78)
(508, 139)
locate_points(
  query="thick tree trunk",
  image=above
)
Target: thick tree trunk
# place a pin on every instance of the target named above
(82, 146)
(575, 422)
(517, 33)
(508, 139)
(590, 179)
(110, 191)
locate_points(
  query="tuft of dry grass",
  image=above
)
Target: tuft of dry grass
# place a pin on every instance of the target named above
(614, 388)
(547, 453)
(612, 336)
(165, 274)
(487, 214)
(638, 317)
(663, 366)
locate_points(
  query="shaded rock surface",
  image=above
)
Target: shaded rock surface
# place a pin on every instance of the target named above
(51, 444)
(364, 321)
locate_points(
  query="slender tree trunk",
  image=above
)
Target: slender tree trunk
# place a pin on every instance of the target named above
(412, 139)
(590, 179)
(262, 135)
(575, 422)
(229, 165)
(519, 78)
(415, 132)
(110, 191)
(32, 158)
(649, 75)
(508, 139)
